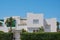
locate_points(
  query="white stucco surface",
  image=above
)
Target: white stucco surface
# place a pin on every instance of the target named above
(31, 17)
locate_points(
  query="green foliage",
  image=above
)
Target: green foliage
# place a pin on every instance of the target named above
(58, 25)
(6, 36)
(23, 30)
(1, 32)
(40, 36)
(10, 22)
(41, 29)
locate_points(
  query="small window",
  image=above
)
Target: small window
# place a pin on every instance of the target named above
(36, 21)
(35, 30)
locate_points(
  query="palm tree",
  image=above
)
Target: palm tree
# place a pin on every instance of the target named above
(10, 23)
(58, 26)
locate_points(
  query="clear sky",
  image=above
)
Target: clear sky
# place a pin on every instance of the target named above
(50, 8)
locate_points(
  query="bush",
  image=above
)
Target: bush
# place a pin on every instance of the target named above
(40, 36)
(41, 29)
(6, 36)
(23, 30)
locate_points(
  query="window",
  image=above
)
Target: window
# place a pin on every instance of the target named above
(36, 21)
(35, 30)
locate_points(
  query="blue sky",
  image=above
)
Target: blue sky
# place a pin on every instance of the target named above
(50, 8)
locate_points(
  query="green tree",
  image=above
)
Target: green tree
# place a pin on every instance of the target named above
(10, 22)
(58, 26)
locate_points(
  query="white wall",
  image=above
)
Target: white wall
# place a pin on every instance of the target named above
(31, 16)
(21, 27)
(31, 29)
(52, 23)
(3, 28)
(30, 25)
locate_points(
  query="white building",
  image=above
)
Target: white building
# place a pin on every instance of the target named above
(32, 22)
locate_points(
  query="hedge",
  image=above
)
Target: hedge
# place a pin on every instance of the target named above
(6, 36)
(40, 36)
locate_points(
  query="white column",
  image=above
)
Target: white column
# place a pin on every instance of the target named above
(17, 35)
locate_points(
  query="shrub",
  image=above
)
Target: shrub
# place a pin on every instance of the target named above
(40, 36)
(41, 29)
(23, 30)
(6, 36)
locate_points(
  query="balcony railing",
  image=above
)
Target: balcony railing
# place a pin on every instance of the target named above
(22, 24)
